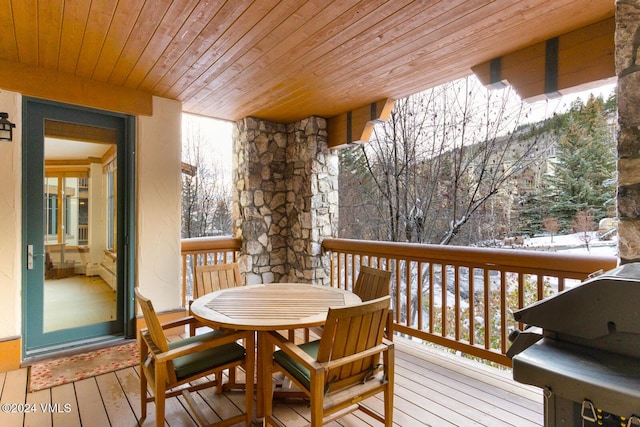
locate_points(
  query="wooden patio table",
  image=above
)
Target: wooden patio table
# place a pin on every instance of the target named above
(272, 307)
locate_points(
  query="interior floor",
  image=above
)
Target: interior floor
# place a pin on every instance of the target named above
(77, 301)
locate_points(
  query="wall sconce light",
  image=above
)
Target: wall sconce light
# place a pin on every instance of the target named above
(6, 128)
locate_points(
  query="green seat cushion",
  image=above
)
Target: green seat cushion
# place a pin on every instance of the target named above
(294, 368)
(191, 364)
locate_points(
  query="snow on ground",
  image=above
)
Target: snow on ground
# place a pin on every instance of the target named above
(573, 243)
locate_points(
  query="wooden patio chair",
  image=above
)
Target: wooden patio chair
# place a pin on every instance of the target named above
(340, 369)
(166, 365)
(372, 283)
(211, 278)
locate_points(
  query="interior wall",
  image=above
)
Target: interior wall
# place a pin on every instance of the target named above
(10, 226)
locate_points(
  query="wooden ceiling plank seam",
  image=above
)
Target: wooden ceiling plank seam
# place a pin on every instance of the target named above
(9, 45)
(74, 24)
(167, 31)
(320, 44)
(147, 24)
(319, 20)
(98, 23)
(214, 31)
(26, 13)
(246, 47)
(284, 37)
(124, 19)
(50, 15)
(398, 52)
(453, 58)
(185, 40)
(232, 61)
(229, 34)
(234, 48)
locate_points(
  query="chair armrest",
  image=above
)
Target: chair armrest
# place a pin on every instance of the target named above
(312, 364)
(200, 345)
(293, 350)
(357, 356)
(183, 321)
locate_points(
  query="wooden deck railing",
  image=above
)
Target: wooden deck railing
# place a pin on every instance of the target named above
(205, 251)
(482, 287)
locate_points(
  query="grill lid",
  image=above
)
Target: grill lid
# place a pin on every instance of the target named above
(602, 312)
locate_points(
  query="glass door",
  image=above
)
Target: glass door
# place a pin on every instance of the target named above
(78, 271)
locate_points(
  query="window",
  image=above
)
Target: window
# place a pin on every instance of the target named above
(111, 206)
(66, 213)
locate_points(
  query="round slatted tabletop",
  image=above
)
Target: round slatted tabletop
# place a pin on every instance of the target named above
(270, 307)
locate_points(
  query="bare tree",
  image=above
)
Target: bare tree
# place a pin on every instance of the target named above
(441, 157)
(551, 225)
(206, 200)
(584, 224)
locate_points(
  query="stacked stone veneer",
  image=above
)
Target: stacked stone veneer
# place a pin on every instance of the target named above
(285, 199)
(627, 52)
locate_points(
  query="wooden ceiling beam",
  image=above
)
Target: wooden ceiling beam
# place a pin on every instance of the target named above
(58, 86)
(558, 66)
(356, 126)
(78, 132)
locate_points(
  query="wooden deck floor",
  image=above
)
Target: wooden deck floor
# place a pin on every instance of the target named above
(432, 388)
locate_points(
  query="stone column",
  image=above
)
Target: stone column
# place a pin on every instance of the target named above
(285, 199)
(627, 41)
(312, 200)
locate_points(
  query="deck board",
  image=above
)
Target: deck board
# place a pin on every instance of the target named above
(119, 411)
(432, 388)
(65, 395)
(90, 404)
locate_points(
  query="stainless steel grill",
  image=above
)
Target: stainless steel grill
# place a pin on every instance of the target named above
(582, 347)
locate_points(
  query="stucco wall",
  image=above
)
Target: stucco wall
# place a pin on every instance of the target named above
(10, 219)
(159, 200)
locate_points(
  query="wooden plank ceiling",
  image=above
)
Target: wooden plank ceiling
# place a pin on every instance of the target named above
(281, 60)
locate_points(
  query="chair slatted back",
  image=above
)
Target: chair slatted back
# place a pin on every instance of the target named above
(153, 323)
(372, 283)
(210, 278)
(350, 330)
(155, 331)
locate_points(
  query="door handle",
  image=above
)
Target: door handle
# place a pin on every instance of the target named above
(30, 256)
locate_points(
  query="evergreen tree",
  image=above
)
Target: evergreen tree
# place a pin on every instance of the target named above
(532, 209)
(585, 161)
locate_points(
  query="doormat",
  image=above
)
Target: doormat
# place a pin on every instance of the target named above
(80, 366)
